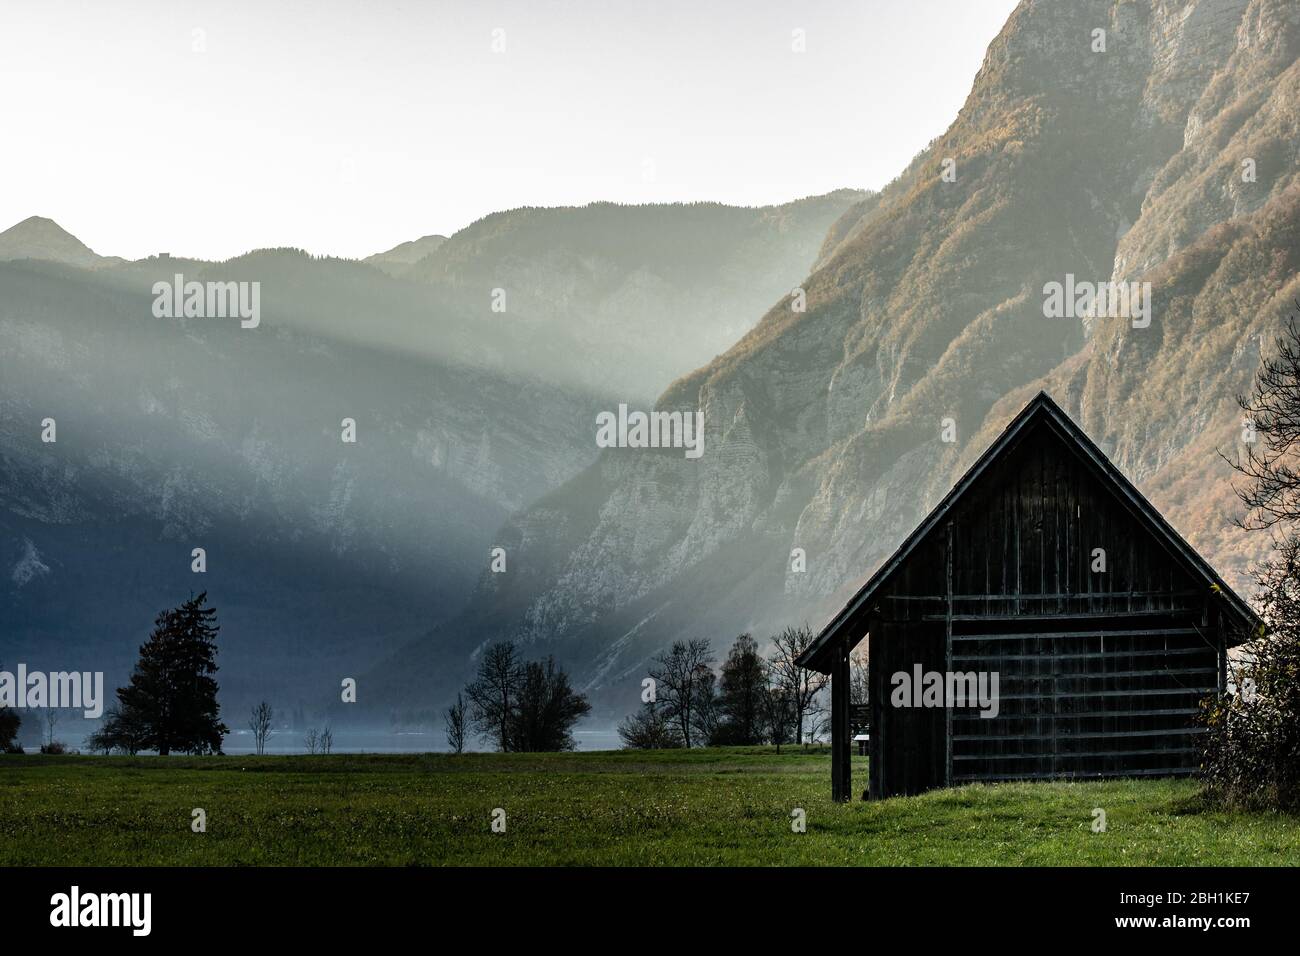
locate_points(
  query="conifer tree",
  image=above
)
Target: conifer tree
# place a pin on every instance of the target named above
(171, 699)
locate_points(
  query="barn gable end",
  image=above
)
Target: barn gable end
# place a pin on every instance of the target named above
(1047, 575)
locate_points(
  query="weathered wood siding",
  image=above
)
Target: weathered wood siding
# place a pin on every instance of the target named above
(1100, 673)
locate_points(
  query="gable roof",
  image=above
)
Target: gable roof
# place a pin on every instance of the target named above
(1041, 409)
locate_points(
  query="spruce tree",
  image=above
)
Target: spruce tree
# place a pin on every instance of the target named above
(172, 695)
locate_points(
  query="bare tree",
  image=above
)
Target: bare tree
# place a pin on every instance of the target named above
(494, 694)
(1252, 735)
(1271, 464)
(548, 708)
(816, 722)
(859, 676)
(456, 719)
(312, 740)
(679, 674)
(778, 709)
(51, 721)
(648, 729)
(706, 712)
(259, 722)
(326, 740)
(800, 684)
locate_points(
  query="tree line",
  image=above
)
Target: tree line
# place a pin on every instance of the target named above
(751, 699)
(169, 703)
(261, 721)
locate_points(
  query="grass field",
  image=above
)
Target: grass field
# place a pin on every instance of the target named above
(702, 807)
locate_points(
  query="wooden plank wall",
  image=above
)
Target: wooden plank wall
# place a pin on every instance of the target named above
(1099, 673)
(907, 745)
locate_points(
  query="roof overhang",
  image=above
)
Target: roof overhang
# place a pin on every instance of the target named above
(1041, 409)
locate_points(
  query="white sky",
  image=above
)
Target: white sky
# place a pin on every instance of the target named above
(347, 126)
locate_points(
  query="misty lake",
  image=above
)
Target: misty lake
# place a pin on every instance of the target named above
(394, 742)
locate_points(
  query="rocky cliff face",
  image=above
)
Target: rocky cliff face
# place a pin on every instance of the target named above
(825, 427)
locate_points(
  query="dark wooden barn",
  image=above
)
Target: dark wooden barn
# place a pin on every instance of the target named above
(1045, 567)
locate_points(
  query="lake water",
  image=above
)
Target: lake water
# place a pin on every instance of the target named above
(390, 742)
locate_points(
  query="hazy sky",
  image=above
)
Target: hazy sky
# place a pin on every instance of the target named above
(209, 129)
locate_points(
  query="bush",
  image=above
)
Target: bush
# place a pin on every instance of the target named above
(54, 748)
(649, 729)
(9, 724)
(1251, 750)
(1251, 755)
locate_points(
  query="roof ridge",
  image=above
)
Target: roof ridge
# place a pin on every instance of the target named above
(1040, 405)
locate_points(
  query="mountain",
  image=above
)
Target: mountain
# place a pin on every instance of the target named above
(825, 427)
(611, 278)
(176, 434)
(398, 260)
(40, 238)
(323, 556)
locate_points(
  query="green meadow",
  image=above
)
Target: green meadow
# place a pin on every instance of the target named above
(728, 806)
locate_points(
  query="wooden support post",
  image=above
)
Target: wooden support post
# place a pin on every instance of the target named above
(841, 742)
(875, 694)
(847, 732)
(1220, 646)
(947, 664)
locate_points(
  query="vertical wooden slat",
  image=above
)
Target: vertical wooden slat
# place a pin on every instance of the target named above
(1220, 639)
(947, 669)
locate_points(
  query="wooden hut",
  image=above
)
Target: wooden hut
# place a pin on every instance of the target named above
(1044, 570)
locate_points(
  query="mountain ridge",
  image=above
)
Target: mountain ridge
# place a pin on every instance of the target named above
(37, 237)
(824, 426)
(184, 432)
